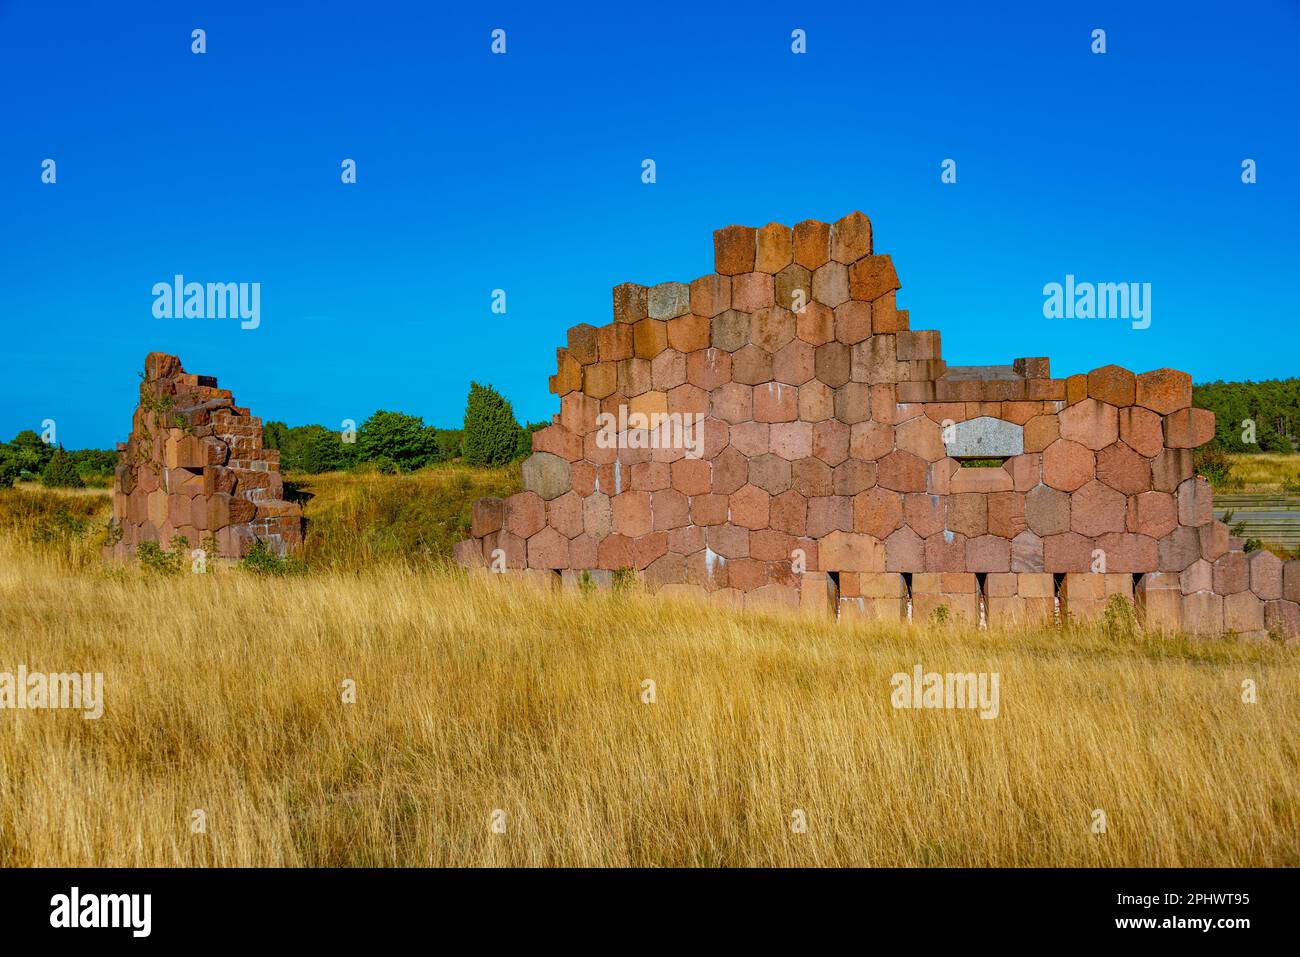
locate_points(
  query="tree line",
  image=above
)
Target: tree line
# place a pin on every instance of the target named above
(1267, 411)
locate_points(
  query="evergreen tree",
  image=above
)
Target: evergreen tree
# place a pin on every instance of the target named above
(491, 432)
(61, 472)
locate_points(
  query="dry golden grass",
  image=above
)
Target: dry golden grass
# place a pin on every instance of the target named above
(1265, 472)
(223, 694)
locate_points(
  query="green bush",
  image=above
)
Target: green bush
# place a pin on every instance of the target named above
(262, 561)
(403, 439)
(154, 558)
(61, 472)
(492, 436)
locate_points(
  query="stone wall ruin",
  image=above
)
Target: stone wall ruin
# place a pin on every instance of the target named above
(194, 467)
(836, 472)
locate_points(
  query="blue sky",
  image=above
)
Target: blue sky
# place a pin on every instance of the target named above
(522, 172)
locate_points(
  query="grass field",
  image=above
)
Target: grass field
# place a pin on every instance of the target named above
(224, 694)
(1265, 472)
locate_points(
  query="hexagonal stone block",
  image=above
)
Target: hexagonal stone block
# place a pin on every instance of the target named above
(1164, 391)
(1265, 574)
(904, 551)
(548, 549)
(1231, 573)
(776, 402)
(1112, 384)
(851, 477)
(546, 474)
(730, 330)
(793, 288)
(688, 333)
(1047, 511)
(772, 328)
(852, 321)
(770, 473)
(812, 243)
(902, 472)
(830, 284)
(649, 338)
(872, 277)
(734, 250)
(850, 238)
(730, 471)
(792, 440)
(968, 513)
(815, 323)
(1027, 555)
(831, 441)
(853, 402)
(1097, 508)
(774, 248)
(1141, 430)
(816, 401)
(710, 295)
(1123, 469)
(827, 514)
(751, 365)
(1067, 465)
(877, 511)
(752, 291)
(1152, 513)
(1189, 428)
(1171, 468)
(1092, 424)
(794, 363)
(631, 302)
(708, 368)
(733, 402)
(789, 513)
(811, 477)
(667, 300)
(872, 440)
(631, 514)
(832, 363)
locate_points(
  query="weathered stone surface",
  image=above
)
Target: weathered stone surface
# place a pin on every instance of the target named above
(1164, 391)
(1171, 468)
(1265, 574)
(984, 437)
(1189, 428)
(1195, 502)
(1067, 465)
(1202, 614)
(1141, 430)
(734, 250)
(1091, 423)
(1113, 385)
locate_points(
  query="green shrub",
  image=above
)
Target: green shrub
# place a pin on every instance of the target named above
(1119, 620)
(156, 559)
(1214, 465)
(61, 472)
(263, 561)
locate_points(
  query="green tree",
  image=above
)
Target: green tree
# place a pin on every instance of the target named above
(491, 433)
(325, 451)
(30, 452)
(60, 472)
(9, 467)
(403, 439)
(525, 447)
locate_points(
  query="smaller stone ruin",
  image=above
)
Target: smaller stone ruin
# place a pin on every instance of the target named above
(194, 467)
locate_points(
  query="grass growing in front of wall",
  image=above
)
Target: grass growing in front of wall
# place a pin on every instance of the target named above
(223, 692)
(356, 520)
